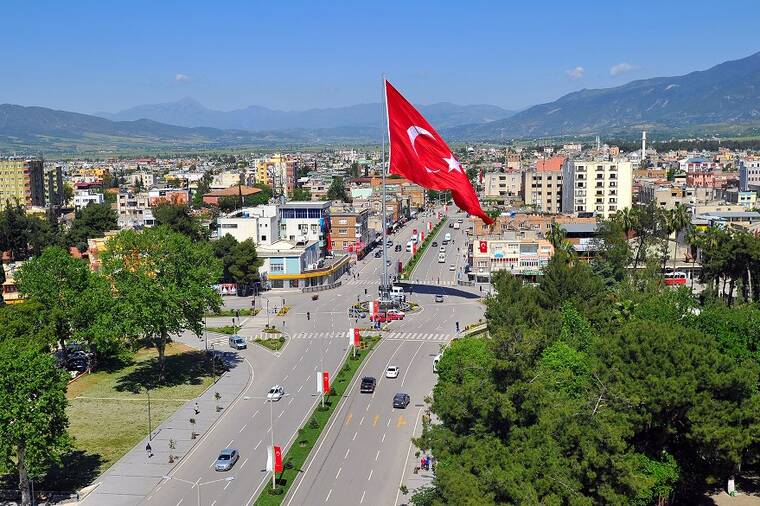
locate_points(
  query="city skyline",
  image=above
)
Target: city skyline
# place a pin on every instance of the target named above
(299, 57)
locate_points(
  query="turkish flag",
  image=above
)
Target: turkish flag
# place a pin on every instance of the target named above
(325, 382)
(274, 459)
(419, 154)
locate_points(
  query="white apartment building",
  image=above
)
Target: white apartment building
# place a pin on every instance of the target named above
(504, 185)
(305, 221)
(600, 186)
(147, 178)
(133, 210)
(83, 197)
(260, 223)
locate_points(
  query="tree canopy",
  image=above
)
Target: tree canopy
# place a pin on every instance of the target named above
(337, 190)
(178, 217)
(92, 221)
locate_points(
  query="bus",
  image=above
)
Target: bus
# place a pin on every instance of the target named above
(675, 278)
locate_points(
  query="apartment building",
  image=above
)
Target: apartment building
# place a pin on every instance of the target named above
(53, 184)
(349, 230)
(305, 221)
(82, 198)
(504, 186)
(22, 180)
(542, 185)
(668, 196)
(133, 210)
(749, 175)
(602, 187)
(525, 257)
(260, 223)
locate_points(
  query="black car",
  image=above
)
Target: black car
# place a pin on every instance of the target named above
(378, 253)
(435, 244)
(398, 248)
(368, 385)
(451, 225)
(401, 400)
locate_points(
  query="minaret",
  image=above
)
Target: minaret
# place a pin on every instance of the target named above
(643, 145)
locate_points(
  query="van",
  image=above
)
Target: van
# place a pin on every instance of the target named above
(436, 359)
(238, 343)
(456, 225)
(409, 246)
(397, 294)
(447, 237)
(441, 257)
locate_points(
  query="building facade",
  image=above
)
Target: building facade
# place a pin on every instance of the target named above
(305, 221)
(542, 186)
(22, 180)
(133, 210)
(84, 197)
(260, 223)
(522, 257)
(602, 187)
(349, 231)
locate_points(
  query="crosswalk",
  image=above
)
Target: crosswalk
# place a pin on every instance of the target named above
(375, 282)
(397, 336)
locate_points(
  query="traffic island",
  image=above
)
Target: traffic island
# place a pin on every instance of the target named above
(309, 434)
(274, 343)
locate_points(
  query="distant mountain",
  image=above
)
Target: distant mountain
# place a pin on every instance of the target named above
(724, 97)
(30, 129)
(190, 113)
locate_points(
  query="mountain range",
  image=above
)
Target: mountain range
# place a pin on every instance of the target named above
(190, 113)
(722, 99)
(725, 97)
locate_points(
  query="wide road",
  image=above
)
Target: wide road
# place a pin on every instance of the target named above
(366, 453)
(319, 343)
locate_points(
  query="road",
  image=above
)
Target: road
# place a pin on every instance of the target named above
(366, 454)
(316, 344)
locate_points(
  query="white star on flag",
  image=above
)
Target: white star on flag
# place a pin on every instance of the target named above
(453, 163)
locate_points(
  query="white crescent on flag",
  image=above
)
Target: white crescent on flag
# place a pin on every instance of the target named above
(413, 131)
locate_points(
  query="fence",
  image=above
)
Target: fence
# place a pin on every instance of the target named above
(319, 288)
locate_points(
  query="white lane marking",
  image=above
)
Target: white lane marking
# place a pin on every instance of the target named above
(368, 405)
(243, 428)
(213, 503)
(383, 440)
(149, 497)
(406, 461)
(299, 389)
(411, 362)
(377, 456)
(257, 445)
(338, 473)
(283, 412)
(361, 421)
(354, 438)
(212, 463)
(243, 464)
(294, 367)
(256, 413)
(328, 495)
(360, 501)
(300, 359)
(346, 455)
(227, 485)
(370, 474)
(291, 401)
(389, 423)
(180, 501)
(285, 378)
(229, 444)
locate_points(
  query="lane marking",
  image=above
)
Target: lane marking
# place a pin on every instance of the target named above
(257, 445)
(354, 438)
(360, 501)
(227, 485)
(368, 405)
(406, 461)
(282, 413)
(328, 495)
(243, 428)
(361, 421)
(349, 418)
(243, 464)
(401, 421)
(375, 419)
(383, 440)
(285, 378)
(338, 474)
(370, 474)
(377, 456)
(389, 423)
(299, 389)
(180, 501)
(346, 455)
(256, 413)
(410, 362)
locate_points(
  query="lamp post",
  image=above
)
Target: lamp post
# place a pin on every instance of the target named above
(150, 425)
(198, 485)
(267, 312)
(271, 433)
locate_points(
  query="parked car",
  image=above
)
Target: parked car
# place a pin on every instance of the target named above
(395, 314)
(238, 343)
(226, 459)
(368, 385)
(435, 244)
(380, 317)
(451, 225)
(276, 393)
(439, 297)
(391, 371)
(397, 248)
(401, 400)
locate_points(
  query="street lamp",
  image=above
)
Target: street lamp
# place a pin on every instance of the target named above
(271, 433)
(150, 425)
(198, 484)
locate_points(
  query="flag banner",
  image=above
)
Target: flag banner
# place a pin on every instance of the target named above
(374, 307)
(422, 236)
(325, 382)
(320, 383)
(419, 154)
(414, 248)
(274, 459)
(430, 226)
(357, 338)
(484, 246)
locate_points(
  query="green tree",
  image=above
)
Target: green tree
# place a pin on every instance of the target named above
(32, 396)
(164, 284)
(244, 265)
(178, 217)
(337, 190)
(92, 221)
(301, 194)
(24, 235)
(680, 221)
(204, 186)
(223, 250)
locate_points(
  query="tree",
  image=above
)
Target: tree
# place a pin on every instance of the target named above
(77, 301)
(178, 218)
(244, 265)
(164, 284)
(24, 235)
(92, 221)
(337, 190)
(301, 194)
(32, 395)
(204, 186)
(680, 221)
(223, 250)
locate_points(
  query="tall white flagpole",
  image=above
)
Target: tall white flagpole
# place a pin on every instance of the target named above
(384, 289)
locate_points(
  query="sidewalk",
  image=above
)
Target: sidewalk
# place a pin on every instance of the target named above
(135, 475)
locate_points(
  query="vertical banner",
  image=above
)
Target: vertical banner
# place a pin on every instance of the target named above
(357, 338)
(414, 249)
(274, 459)
(422, 236)
(374, 307)
(320, 384)
(430, 226)
(325, 381)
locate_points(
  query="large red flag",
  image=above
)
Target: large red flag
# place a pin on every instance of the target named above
(419, 154)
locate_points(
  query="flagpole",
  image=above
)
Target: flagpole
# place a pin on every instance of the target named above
(384, 281)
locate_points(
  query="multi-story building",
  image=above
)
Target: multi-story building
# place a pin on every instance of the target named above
(602, 187)
(305, 221)
(133, 210)
(525, 257)
(22, 180)
(504, 186)
(668, 196)
(54, 186)
(349, 230)
(176, 196)
(146, 179)
(542, 186)
(84, 197)
(749, 175)
(260, 223)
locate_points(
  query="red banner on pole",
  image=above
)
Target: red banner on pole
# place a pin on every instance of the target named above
(357, 338)
(325, 381)
(274, 459)
(484, 246)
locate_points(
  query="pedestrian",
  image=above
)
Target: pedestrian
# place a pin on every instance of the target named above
(196, 408)
(149, 450)
(427, 462)
(422, 462)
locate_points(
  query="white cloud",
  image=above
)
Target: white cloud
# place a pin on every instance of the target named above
(182, 78)
(575, 73)
(621, 68)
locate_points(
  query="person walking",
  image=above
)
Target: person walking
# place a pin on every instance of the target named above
(196, 408)
(149, 450)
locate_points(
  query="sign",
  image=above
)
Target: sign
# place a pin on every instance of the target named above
(325, 382)
(484, 246)
(429, 226)
(354, 337)
(414, 248)
(274, 459)
(374, 307)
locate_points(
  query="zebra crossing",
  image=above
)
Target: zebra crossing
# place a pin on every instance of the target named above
(374, 282)
(396, 336)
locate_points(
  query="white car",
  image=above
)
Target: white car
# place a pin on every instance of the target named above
(276, 393)
(452, 267)
(442, 249)
(392, 371)
(398, 315)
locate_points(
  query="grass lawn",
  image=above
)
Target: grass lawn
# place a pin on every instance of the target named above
(274, 344)
(226, 329)
(308, 435)
(108, 410)
(233, 312)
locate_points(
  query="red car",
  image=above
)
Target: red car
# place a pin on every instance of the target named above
(380, 317)
(395, 314)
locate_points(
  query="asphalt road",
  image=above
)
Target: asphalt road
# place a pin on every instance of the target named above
(316, 344)
(366, 453)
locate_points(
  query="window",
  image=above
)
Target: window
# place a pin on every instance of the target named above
(277, 267)
(263, 238)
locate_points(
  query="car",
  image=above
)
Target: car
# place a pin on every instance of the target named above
(389, 242)
(388, 262)
(226, 459)
(391, 371)
(238, 343)
(444, 242)
(451, 225)
(401, 400)
(77, 365)
(379, 317)
(276, 393)
(460, 220)
(354, 312)
(397, 248)
(447, 237)
(442, 249)
(378, 253)
(435, 244)
(368, 385)
(395, 314)
(439, 297)
(452, 267)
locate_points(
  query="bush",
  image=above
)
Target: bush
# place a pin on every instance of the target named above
(278, 490)
(313, 423)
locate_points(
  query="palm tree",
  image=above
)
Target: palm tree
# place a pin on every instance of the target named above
(693, 239)
(680, 220)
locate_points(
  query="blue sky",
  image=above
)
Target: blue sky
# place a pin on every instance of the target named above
(92, 56)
